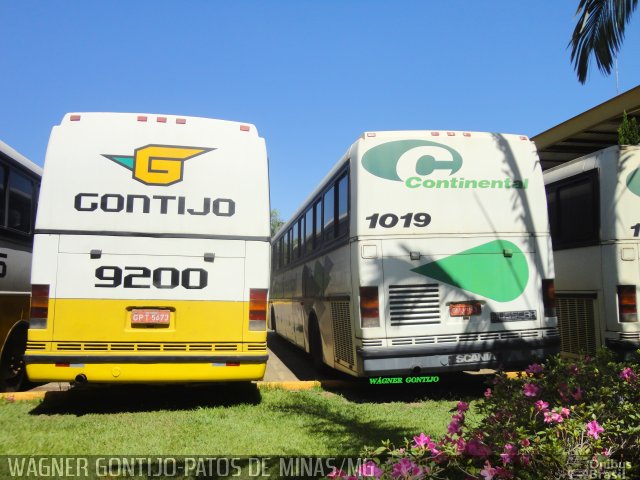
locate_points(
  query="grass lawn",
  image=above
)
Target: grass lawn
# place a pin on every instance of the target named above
(219, 420)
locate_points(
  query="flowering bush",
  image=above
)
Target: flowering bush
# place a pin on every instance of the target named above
(576, 418)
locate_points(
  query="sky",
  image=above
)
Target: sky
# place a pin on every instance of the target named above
(311, 75)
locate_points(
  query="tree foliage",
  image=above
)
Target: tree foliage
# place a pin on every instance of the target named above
(599, 32)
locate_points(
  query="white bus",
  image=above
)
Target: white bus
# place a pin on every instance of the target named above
(151, 253)
(19, 184)
(594, 211)
(421, 251)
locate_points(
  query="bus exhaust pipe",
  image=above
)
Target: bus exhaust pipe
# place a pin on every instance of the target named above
(81, 379)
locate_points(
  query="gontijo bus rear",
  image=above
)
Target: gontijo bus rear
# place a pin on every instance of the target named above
(151, 251)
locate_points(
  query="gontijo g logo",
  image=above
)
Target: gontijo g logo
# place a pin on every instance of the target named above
(410, 161)
(158, 164)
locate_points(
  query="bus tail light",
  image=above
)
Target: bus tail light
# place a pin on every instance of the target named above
(369, 307)
(627, 306)
(39, 306)
(549, 297)
(258, 309)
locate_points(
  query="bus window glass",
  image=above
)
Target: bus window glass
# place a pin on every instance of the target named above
(343, 206)
(308, 235)
(295, 241)
(3, 178)
(19, 207)
(329, 214)
(317, 213)
(287, 247)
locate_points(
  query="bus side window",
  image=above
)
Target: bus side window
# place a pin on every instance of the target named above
(343, 206)
(3, 180)
(295, 241)
(329, 214)
(281, 252)
(308, 233)
(317, 213)
(20, 197)
(287, 247)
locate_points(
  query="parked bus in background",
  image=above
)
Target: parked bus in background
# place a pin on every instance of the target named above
(594, 211)
(19, 184)
(151, 253)
(420, 251)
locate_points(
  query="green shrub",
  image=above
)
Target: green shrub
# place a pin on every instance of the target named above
(629, 131)
(576, 418)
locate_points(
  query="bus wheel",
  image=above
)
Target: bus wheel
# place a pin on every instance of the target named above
(315, 344)
(12, 369)
(274, 326)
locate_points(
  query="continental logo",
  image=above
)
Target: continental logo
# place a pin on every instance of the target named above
(413, 161)
(158, 164)
(633, 182)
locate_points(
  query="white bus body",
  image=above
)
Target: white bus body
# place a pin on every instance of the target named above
(19, 183)
(432, 257)
(594, 205)
(151, 251)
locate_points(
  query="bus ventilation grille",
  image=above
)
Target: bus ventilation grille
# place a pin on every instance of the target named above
(576, 320)
(414, 304)
(36, 346)
(144, 347)
(342, 336)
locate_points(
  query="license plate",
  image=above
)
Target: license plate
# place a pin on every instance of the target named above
(150, 317)
(464, 309)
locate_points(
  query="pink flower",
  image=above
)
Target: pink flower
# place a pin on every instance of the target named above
(421, 440)
(594, 429)
(534, 368)
(530, 390)
(476, 448)
(552, 417)
(488, 471)
(405, 468)
(336, 473)
(370, 469)
(577, 394)
(463, 406)
(509, 454)
(454, 426)
(573, 369)
(541, 405)
(565, 412)
(525, 442)
(487, 393)
(628, 375)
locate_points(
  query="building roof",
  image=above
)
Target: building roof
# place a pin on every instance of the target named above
(588, 132)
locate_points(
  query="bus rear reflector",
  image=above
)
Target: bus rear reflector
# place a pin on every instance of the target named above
(627, 306)
(258, 309)
(549, 297)
(369, 307)
(39, 306)
(465, 309)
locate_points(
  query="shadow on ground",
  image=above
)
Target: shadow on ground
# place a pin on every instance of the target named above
(105, 399)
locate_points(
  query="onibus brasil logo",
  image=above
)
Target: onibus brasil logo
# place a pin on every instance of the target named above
(410, 161)
(158, 164)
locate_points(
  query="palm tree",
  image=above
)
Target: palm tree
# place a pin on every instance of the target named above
(599, 31)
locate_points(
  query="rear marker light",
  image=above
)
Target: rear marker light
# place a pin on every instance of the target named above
(230, 364)
(451, 134)
(465, 309)
(181, 121)
(258, 309)
(466, 134)
(244, 128)
(371, 134)
(63, 364)
(549, 297)
(435, 134)
(627, 304)
(522, 137)
(39, 306)
(142, 119)
(75, 118)
(162, 119)
(369, 307)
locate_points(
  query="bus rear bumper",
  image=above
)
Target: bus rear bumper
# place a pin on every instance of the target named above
(145, 369)
(458, 357)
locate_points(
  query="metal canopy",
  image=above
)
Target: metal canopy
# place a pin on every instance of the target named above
(588, 132)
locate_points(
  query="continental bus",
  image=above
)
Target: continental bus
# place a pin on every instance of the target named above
(420, 251)
(151, 252)
(594, 205)
(19, 184)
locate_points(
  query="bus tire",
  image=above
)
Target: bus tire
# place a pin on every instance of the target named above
(315, 344)
(274, 325)
(12, 369)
